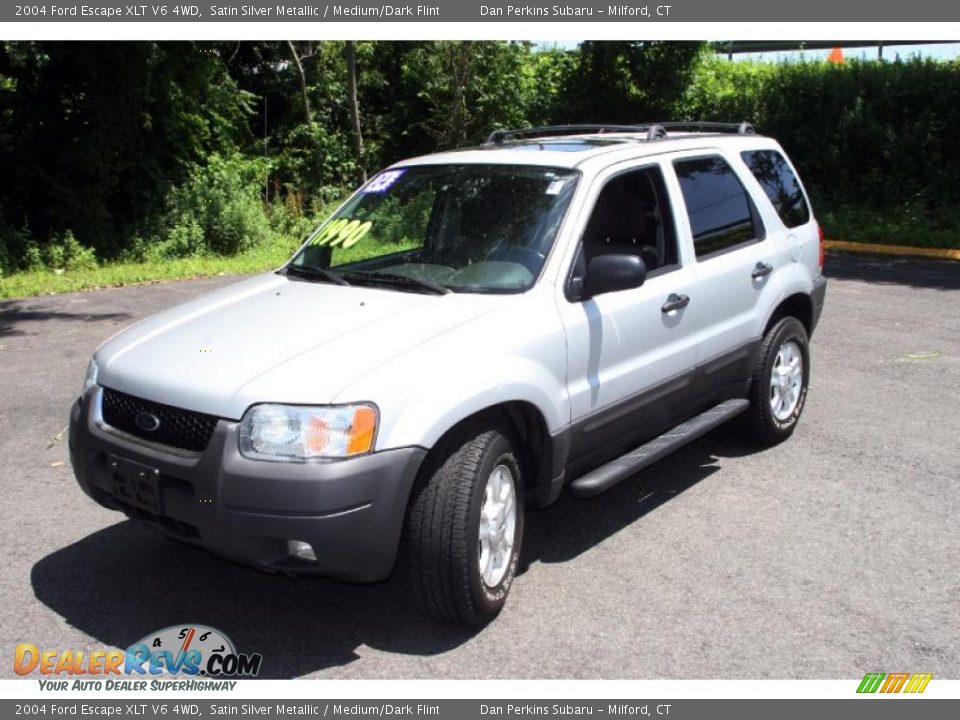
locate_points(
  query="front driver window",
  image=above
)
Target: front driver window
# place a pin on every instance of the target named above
(632, 215)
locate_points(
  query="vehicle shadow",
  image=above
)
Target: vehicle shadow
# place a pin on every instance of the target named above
(125, 581)
(12, 317)
(571, 526)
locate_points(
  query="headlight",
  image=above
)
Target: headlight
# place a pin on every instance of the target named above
(291, 432)
(90, 379)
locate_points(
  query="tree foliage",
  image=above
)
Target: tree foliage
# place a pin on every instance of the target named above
(628, 82)
(132, 149)
(871, 135)
(95, 134)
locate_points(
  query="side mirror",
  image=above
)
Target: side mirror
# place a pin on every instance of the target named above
(609, 273)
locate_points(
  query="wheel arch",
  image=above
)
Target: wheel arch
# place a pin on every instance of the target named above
(541, 454)
(798, 305)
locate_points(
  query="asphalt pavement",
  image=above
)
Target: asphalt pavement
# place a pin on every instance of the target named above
(834, 554)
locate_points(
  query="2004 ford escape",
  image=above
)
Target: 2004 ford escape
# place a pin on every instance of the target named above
(469, 333)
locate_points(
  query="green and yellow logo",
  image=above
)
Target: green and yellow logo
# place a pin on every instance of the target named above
(894, 682)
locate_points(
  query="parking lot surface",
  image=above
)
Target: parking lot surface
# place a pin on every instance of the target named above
(834, 554)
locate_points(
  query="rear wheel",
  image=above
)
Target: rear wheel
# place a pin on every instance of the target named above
(465, 528)
(780, 380)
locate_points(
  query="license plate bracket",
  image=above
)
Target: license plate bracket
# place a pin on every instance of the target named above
(135, 484)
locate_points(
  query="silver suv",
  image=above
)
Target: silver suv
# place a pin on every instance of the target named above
(468, 334)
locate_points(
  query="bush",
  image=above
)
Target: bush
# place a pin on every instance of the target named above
(312, 156)
(20, 253)
(65, 253)
(219, 209)
(13, 244)
(871, 139)
(32, 260)
(906, 225)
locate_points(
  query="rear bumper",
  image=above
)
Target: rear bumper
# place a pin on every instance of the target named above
(818, 294)
(350, 511)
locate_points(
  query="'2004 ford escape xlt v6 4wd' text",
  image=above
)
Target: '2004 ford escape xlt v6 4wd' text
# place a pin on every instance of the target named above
(468, 334)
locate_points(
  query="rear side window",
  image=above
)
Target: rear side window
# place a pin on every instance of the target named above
(721, 213)
(776, 178)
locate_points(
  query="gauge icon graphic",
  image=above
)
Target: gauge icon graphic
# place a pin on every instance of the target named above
(178, 640)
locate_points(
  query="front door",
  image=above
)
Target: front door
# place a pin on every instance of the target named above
(631, 355)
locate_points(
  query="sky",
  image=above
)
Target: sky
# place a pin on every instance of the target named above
(942, 51)
(945, 51)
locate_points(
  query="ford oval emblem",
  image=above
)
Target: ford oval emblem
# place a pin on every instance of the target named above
(147, 421)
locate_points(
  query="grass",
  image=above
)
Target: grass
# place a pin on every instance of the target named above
(43, 282)
(853, 224)
(119, 274)
(905, 226)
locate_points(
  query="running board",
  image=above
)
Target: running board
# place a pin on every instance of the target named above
(606, 476)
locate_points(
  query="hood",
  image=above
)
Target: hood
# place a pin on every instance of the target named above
(275, 339)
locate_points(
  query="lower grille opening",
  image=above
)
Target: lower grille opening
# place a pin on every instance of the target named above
(178, 528)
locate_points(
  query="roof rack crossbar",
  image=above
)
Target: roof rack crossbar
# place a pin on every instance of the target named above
(741, 128)
(498, 137)
(653, 131)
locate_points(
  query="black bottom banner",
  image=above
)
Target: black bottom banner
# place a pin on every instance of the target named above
(874, 708)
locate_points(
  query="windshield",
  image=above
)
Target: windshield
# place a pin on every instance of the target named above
(460, 228)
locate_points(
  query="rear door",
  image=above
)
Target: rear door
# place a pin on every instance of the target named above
(790, 223)
(734, 267)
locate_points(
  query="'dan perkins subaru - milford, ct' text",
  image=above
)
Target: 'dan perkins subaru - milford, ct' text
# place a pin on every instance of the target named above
(573, 11)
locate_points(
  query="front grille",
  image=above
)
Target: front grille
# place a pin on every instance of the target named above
(178, 428)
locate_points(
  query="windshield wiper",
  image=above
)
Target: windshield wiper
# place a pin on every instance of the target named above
(315, 273)
(397, 279)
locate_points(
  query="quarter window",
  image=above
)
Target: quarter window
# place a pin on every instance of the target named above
(721, 213)
(780, 184)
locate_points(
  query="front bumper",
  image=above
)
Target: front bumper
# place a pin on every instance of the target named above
(350, 511)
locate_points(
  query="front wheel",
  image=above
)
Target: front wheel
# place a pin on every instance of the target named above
(780, 380)
(465, 528)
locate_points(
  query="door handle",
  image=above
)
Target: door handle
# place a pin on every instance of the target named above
(761, 269)
(675, 302)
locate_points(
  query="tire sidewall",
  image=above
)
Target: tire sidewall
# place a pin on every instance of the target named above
(789, 329)
(489, 600)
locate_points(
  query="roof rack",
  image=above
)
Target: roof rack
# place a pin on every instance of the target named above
(741, 128)
(653, 131)
(498, 137)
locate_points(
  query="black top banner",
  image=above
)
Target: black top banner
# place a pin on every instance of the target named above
(489, 10)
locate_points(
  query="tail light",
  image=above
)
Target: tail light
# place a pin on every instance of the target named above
(820, 231)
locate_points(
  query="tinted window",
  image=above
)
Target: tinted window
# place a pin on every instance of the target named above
(780, 184)
(721, 214)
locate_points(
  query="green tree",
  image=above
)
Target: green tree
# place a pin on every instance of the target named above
(464, 89)
(99, 132)
(628, 82)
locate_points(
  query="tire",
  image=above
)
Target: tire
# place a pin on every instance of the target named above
(775, 408)
(443, 541)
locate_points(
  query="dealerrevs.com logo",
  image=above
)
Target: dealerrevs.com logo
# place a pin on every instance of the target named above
(179, 651)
